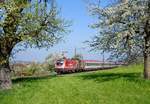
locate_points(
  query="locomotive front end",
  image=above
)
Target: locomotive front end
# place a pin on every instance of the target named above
(59, 66)
(66, 66)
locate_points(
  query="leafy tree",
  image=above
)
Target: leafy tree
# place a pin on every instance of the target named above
(124, 31)
(31, 23)
(78, 57)
(51, 59)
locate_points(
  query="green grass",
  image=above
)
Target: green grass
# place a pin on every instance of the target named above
(123, 85)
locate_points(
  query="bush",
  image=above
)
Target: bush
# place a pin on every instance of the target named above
(48, 67)
(33, 69)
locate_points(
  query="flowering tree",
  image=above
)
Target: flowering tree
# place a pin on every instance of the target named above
(124, 31)
(32, 23)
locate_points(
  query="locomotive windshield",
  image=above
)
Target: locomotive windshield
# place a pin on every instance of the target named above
(59, 62)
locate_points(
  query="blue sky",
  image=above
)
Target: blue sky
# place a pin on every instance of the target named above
(76, 11)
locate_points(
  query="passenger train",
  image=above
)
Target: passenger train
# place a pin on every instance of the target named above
(73, 65)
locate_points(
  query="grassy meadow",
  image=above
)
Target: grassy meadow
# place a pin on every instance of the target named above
(123, 85)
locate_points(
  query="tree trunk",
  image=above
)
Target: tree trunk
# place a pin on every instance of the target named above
(5, 77)
(147, 51)
(147, 66)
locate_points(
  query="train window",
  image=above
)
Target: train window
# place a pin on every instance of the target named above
(93, 64)
(60, 62)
